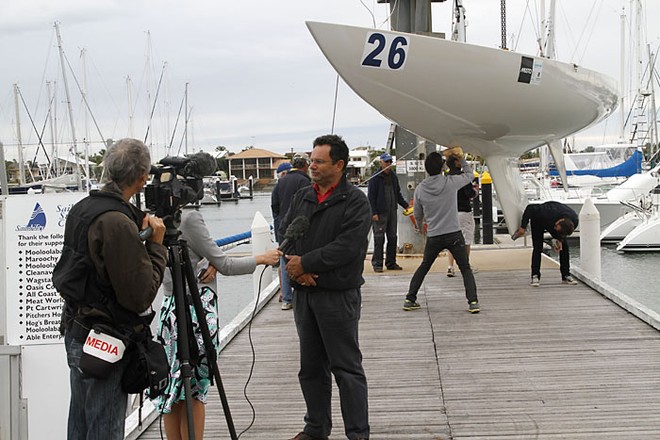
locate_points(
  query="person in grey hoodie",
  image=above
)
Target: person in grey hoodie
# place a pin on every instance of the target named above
(435, 203)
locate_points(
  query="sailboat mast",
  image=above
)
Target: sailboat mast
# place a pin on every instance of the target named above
(622, 76)
(130, 106)
(19, 139)
(52, 121)
(83, 57)
(68, 103)
(186, 117)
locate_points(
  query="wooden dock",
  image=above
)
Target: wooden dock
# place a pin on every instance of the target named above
(555, 362)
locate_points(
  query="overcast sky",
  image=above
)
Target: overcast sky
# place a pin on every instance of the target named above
(255, 75)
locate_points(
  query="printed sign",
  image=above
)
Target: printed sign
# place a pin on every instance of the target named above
(531, 71)
(34, 232)
(385, 51)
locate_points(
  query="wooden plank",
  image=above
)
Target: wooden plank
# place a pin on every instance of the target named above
(544, 363)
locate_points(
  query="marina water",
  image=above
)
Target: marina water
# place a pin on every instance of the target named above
(634, 274)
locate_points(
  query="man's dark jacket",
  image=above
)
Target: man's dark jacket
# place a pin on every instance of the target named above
(283, 193)
(335, 244)
(87, 296)
(547, 214)
(376, 191)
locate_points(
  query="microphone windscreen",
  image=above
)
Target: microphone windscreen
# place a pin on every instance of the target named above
(201, 164)
(297, 228)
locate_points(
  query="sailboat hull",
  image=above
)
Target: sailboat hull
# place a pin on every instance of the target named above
(644, 238)
(494, 103)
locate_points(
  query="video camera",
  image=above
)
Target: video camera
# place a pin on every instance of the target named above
(177, 181)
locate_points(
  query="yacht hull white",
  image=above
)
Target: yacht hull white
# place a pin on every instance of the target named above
(621, 227)
(494, 103)
(644, 238)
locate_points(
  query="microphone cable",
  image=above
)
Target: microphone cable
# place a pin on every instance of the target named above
(254, 355)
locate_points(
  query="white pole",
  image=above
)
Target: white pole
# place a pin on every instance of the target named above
(261, 242)
(590, 239)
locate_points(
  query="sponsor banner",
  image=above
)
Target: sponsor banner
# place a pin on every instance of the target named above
(33, 229)
(531, 71)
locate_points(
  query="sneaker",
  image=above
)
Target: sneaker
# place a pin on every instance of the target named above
(394, 267)
(475, 269)
(569, 280)
(450, 272)
(303, 436)
(410, 305)
(287, 306)
(536, 281)
(378, 269)
(473, 307)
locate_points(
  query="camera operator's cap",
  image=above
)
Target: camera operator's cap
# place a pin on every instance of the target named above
(300, 160)
(284, 166)
(386, 157)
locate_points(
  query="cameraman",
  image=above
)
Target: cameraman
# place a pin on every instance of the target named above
(107, 276)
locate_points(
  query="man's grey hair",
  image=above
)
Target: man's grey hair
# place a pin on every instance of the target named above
(126, 161)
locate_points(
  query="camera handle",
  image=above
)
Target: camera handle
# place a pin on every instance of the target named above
(181, 269)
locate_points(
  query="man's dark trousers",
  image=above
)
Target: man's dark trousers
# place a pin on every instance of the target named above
(385, 227)
(454, 242)
(327, 324)
(537, 242)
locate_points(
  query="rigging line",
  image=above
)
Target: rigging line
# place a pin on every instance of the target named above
(43, 76)
(334, 109)
(153, 109)
(176, 124)
(35, 129)
(387, 167)
(84, 96)
(522, 23)
(373, 18)
(185, 132)
(392, 9)
(584, 28)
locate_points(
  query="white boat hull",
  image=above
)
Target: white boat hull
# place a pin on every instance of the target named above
(621, 227)
(644, 238)
(494, 103)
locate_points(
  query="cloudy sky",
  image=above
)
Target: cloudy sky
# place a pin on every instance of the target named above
(254, 74)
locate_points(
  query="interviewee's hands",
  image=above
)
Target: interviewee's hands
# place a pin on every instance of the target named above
(375, 217)
(270, 258)
(296, 272)
(157, 226)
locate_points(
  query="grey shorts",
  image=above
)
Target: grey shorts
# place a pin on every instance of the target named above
(466, 222)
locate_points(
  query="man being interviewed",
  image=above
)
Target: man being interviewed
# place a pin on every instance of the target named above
(326, 271)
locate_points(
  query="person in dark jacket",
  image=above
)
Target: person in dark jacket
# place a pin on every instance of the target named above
(108, 277)
(465, 196)
(384, 194)
(560, 221)
(281, 197)
(326, 268)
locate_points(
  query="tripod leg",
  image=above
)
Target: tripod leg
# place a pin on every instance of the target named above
(183, 325)
(206, 336)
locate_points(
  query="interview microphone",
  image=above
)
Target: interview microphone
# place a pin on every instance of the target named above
(200, 164)
(294, 232)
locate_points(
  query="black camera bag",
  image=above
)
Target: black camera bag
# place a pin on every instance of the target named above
(147, 367)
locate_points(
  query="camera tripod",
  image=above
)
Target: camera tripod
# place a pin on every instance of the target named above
(182, 271)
